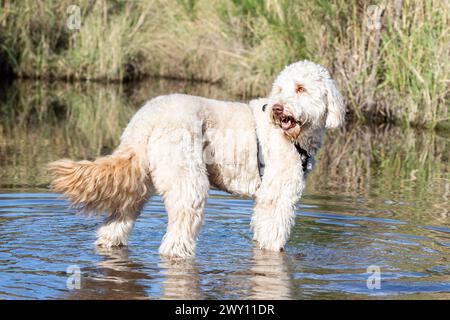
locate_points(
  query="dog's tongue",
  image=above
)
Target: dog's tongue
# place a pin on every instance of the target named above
(286, 125)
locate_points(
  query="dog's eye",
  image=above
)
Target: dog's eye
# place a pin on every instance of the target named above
(299, 88)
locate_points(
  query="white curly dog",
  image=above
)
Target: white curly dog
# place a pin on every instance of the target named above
(178, 146)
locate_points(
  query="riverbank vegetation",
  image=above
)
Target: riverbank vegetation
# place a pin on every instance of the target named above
(390, 58)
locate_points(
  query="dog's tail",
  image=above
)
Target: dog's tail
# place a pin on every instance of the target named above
(117, 184)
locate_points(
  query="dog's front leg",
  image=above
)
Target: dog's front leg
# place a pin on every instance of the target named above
(272, 221)
(274, 213)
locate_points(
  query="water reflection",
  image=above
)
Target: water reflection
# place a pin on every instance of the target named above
(74, 121)
(271, 275)
(181, 279)
(114, 277)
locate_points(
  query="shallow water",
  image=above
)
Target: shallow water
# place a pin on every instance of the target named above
(327, 256)
(385, 207)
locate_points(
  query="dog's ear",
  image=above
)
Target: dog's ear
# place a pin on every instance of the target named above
(335, 105)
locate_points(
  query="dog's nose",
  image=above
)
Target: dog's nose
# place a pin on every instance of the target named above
(277, 109)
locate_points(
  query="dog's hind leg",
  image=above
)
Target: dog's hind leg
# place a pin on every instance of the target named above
(185, 213)
(115, 231)
(117, 228)
(117, 185)
(179, 175)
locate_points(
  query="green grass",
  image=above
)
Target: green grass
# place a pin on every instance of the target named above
(398, 73)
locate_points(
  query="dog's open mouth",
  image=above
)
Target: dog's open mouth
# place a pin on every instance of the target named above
(287, 122)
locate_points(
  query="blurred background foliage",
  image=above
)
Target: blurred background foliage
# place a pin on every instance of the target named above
(390, 58)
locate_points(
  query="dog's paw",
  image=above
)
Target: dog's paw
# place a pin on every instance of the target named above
(271, 247)
(269, 243)
(177, 247)
(109, 236)
(108, 243)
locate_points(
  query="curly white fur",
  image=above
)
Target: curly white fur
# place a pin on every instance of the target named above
(178, 146)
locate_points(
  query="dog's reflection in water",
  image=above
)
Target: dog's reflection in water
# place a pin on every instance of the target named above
(115, 277)
(270, 277)
(182, 279)
(118, 277)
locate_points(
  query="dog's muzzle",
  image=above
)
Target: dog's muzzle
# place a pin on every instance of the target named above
(286, 122)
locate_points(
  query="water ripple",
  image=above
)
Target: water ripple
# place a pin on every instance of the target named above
(327, 256)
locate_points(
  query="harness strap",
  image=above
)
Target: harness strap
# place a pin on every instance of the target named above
(304, 155)
(260, 156)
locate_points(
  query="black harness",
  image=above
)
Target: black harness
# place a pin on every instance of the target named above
(304, 155)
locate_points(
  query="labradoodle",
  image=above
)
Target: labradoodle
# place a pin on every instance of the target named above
(179, 146)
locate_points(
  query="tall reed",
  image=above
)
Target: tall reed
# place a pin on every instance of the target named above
(390, 58)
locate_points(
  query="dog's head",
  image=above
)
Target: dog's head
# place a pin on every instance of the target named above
(305, 95)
